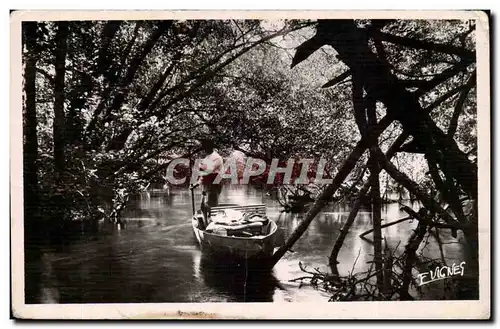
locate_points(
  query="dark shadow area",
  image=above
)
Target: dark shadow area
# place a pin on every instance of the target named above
(243, 282)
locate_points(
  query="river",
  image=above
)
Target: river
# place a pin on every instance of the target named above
(155, 257)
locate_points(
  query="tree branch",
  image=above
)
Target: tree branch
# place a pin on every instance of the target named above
(412, 187)
(129, 77)
(452, 128)
(465, 54)
(353, 49)
(371, 136)
(135, 63)
(46, 75)
(108, 33)
(337, 80)
(430, 223)
(211, 73)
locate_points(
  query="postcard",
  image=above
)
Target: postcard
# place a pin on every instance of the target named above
(250, 164)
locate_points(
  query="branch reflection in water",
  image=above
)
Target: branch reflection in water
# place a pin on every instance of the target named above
(156, 258)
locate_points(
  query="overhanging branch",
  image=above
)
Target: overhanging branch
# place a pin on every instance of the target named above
(424, 45)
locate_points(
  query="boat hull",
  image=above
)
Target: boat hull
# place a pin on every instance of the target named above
(237, 248)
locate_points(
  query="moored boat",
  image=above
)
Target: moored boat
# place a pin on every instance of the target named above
(229, 244)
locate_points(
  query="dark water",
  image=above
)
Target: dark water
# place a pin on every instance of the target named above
(156, 259)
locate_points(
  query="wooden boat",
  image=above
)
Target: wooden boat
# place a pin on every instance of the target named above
(235, 247)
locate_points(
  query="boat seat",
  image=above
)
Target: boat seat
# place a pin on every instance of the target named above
(258, 209)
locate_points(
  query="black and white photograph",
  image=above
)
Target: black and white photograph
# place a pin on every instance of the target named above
(263, 165)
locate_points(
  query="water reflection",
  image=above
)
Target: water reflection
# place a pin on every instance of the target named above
(156, 259)
(238, 283)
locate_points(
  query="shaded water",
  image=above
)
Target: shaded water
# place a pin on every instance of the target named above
(156, 259)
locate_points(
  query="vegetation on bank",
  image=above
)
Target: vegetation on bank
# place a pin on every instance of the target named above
(391, 105)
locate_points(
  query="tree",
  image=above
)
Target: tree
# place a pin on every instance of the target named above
(30, 123)
(118, 100)
(372, 70)
(59, 97)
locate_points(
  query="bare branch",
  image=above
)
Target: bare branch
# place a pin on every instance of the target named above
(413, 187)
(452, 128)
(467, 55)
(337, 80)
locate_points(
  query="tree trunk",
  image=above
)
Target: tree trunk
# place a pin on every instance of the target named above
(410, 258)
(448, 191)
(388, 265)
(357, 204)
(108, 33)
(365, 142)
(360, 118)
(30, 168)
(472, 237)
(59, 120)
(56, 226)
(375, 200)
(472, 284)
(30, 124)
(365, 115)
(345, 229)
